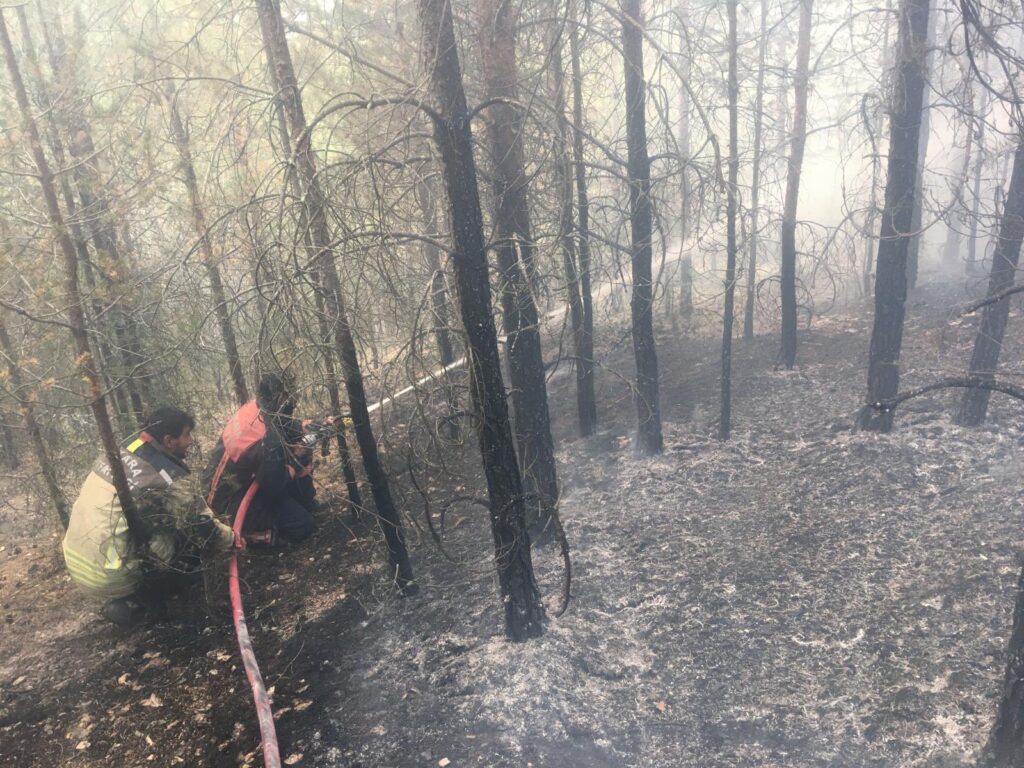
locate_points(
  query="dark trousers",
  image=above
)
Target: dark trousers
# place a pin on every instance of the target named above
(291, 511)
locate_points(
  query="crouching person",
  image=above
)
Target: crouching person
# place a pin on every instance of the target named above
(137, 567)
(262, 443)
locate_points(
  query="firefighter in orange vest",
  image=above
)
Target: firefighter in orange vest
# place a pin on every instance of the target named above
(262, 442)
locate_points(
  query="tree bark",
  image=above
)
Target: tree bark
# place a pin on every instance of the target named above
(755, 179)
(725, 418)
(275, 45)
(524, 613)
(76, 318)
(973, 262)
(891, 282)
(514, 250)
(585, 400)
(649, 439)
(1005, 747)
(989, 341)
(586, 348)
(798, 140)
(914, 246)
(220, 302)
(28, 414)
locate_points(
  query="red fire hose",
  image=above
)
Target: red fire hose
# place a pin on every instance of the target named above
(268, 736)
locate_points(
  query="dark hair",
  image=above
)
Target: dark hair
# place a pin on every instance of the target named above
(168, 421)
(274, 389)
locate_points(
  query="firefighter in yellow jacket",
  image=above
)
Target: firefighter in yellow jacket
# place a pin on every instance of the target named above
(136, 570)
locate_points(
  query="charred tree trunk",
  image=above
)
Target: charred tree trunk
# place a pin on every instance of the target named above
(989, 341)
(586, 409)
(85, 361)
(914, 246)
(755, 179)
(524, 613)
(798, 139)
(586, 348)
(973, 262)
(355, 498)
(891, 282)
(275, 45)
(648, 409)
(220, 302)
(514, 249)
(725, 419)
(1005, 747)
(27, 408)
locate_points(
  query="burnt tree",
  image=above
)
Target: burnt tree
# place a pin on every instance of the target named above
(725, 418)
(648, 410)
(275, 46)
(524, 612)
(755, 177)
(989, 340)
(586, 348)
(891, 270)
(797, 142)
(586, 406)
(514, 247)
(179, 135)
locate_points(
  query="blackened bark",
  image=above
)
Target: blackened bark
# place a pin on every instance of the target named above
(755, 177)
(315, 211)
(989, 341)
(725, 418)
(1005, 747)
(798, 140)
(76, 318)
(586, 347)
(514, 250)
(524, 613)
(220, 302)
(648, 409)
(914, 246)
(26, 407)
(891, 280)
(973, 262)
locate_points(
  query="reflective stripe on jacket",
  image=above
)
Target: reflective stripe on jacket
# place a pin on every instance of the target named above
(102, 555)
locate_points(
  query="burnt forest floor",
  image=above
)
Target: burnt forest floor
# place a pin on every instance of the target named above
(803, 595)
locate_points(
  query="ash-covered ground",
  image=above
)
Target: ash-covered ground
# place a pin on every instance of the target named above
(803, 595)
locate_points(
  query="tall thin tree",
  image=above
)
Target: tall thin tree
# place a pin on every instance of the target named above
(989, 341)
(514, 248)
(648, 409)
(891, 282)
(275, 46)
(524, 612)
(725, 418)
(797, 142)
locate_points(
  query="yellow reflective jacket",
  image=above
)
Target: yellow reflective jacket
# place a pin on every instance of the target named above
(102, 556)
